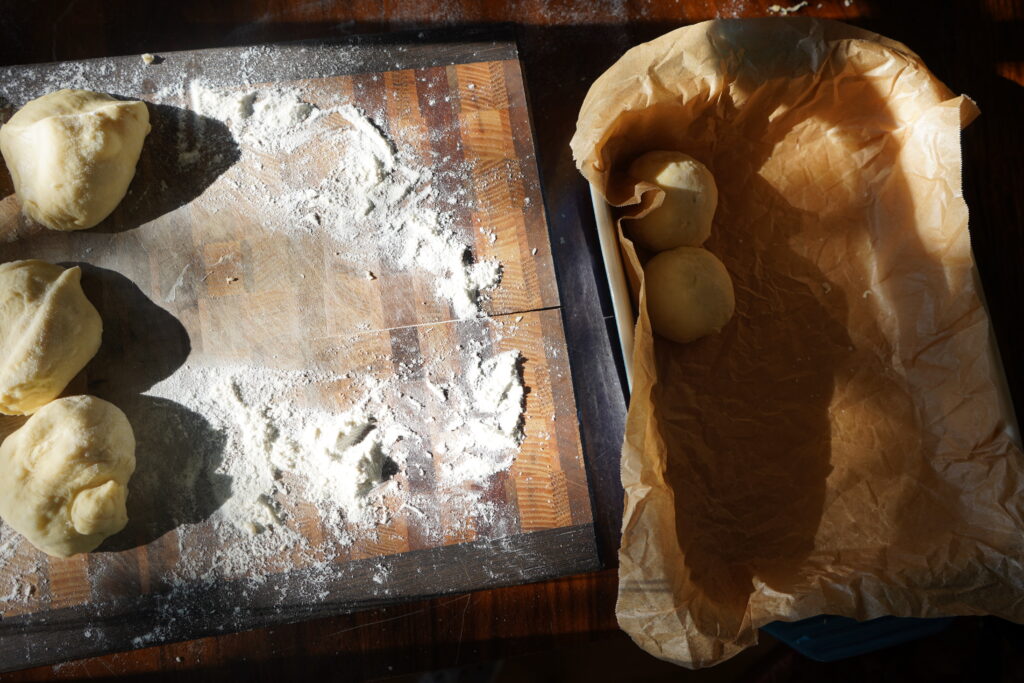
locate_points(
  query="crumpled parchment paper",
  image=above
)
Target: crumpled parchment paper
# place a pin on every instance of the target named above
(844, 445)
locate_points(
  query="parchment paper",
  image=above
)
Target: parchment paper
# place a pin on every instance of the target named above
(843, 445)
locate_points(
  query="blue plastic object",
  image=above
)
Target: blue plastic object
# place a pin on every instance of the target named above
(828, 638)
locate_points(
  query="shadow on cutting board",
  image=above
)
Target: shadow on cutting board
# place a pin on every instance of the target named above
(177, 453)
(183, 154)
(177, 450)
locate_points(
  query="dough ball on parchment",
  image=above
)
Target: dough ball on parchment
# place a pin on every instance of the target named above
(64, 475)
(48, 332)
(72, 155)
(691, 196)
(689, 293)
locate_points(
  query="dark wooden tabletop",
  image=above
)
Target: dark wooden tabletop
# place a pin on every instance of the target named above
(975, 46)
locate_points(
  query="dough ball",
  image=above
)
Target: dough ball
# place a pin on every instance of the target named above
(48, 332)
(684, 217)
(689, 293)
(72, 154)
(64, 475)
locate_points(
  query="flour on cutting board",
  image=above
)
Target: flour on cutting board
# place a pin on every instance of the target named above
(381, 209)
(347, 450)
(20, 584)
(373, 200)
(270, 119)
(285, 460)
(372, 186)
(280, 441)
(282, 450)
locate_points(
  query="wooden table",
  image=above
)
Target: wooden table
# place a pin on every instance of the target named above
(974, 47)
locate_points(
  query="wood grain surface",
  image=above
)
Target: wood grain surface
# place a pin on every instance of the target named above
(973, 46)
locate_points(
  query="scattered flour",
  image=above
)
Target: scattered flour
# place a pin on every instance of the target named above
(368, 187)
(17, 583)
(282, 451)
(496, 420)
(270, 452)
(372, 199)
(267, 119)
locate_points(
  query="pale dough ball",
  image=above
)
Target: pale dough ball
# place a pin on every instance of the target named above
(689, 293)
(72, 155)
(48, 332)
(691, 196)
(64, 475)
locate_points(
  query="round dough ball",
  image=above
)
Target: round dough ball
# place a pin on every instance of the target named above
(64, 475)
(691, 196)
(72, 155)
(689, 293)
(48, 332)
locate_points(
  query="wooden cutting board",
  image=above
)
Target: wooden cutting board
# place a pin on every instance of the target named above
(183, 270)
